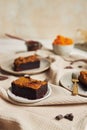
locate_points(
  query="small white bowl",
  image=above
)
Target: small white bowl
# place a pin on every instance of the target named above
(63, 50)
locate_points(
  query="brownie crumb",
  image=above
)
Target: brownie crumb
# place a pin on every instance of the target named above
(79, 66)
(68, 67)
(3, 78)
(69, 116)
(59, 117)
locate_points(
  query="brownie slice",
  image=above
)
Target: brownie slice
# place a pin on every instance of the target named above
(29, 88)
(25, 63)
(83, 79)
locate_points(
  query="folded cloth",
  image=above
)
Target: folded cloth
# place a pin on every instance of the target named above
(40, 118)
(58, 95)
(41, 115)
(25, 118)
(58, 67)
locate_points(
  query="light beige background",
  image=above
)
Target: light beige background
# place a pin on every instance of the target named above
(43, 19)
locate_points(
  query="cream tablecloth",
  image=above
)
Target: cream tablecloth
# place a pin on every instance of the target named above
(41, 115)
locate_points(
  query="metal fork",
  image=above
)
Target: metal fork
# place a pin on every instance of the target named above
(75, 84)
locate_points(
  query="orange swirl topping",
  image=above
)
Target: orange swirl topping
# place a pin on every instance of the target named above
(61, 40)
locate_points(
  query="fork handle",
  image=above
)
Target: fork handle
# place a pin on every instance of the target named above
(75, 89)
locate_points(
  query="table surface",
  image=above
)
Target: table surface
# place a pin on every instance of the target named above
(40, 116)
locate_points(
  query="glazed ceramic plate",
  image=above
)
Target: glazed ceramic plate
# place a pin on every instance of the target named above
(8, 67)
(66, 82)
(24, 100)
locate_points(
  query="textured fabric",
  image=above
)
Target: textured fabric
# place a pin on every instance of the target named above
(41, 115)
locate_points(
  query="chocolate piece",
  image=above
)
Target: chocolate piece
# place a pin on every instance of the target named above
(25, 63)
(3, 78)
(29, 88)
(69, 116)
(79, 66)
(59, 117)
(68, 67)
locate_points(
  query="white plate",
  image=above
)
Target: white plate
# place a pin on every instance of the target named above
(66, 82)
(24, 100)
(8, 67)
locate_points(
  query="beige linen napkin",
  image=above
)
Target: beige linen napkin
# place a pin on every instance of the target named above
(59, 95)
(41, 115)
(58, 67)
(40, 118)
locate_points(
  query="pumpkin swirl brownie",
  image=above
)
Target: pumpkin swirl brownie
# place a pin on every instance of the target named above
(25, 63)
(83, 78)
(29, 88)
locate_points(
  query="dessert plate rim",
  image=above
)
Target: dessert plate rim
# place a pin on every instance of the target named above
(66, 82)
(7, 66)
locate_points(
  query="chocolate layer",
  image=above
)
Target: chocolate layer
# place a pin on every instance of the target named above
(25, 63)
(29, 93)
(26, 66)
(29, 88)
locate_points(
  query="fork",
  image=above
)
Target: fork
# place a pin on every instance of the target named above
(75, 84)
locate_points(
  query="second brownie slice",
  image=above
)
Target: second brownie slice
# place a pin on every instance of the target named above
(25, 63)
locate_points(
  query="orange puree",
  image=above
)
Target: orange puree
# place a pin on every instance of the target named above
(61, 40)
